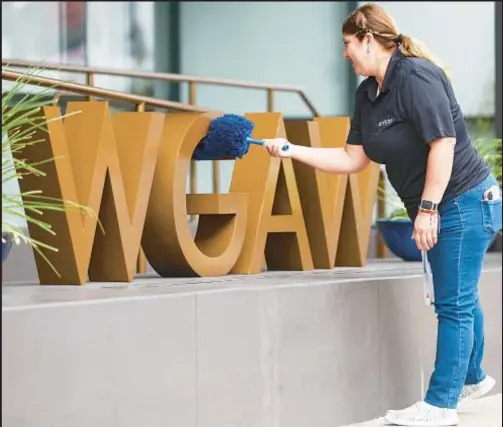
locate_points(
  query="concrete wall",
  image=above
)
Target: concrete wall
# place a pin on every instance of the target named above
(300, 43)
(461, 34)
(280, 350)
(292, 43)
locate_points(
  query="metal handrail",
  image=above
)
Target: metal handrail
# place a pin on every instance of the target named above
(103, 93)
(181, 78)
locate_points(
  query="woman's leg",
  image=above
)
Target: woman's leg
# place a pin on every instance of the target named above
(468, 224)
(475, 372)
(466, 230)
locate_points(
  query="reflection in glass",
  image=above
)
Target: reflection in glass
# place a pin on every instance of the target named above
(127, 44)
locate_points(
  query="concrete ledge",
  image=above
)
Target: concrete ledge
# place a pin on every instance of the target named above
(485, 412)
(323, 349)
(20, 265)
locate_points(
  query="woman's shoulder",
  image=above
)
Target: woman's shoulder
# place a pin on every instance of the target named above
(419, 66)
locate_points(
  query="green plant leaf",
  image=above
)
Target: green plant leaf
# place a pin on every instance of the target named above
(20, 121)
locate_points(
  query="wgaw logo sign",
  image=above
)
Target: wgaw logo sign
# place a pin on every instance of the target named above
(132, 168)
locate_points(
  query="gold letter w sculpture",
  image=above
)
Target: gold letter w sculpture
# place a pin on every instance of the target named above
(106, 164)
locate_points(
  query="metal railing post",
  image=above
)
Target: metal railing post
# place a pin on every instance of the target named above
(141, 261)
(270, 100)
(90, 82)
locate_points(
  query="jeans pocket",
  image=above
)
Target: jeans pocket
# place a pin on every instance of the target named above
(491, 215)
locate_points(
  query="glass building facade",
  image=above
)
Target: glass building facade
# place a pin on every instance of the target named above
(103, 34)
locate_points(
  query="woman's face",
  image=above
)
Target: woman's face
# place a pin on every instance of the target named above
(357, 52)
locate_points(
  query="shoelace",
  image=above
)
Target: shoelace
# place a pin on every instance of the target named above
(464, 393)
(424, 413)
(467, 390)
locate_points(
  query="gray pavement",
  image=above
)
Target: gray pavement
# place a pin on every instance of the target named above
(485, 412)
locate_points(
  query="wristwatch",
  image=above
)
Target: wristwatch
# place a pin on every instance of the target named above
(428, 206)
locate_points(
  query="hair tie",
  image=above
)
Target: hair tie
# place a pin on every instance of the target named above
(399, 38)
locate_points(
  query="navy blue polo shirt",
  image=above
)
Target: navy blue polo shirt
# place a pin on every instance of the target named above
(415, 106)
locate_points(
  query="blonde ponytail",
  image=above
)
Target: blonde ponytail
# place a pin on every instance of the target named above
(412, 47)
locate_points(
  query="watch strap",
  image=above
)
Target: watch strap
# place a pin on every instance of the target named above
(428, 206)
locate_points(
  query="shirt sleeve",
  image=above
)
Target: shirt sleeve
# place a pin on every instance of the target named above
(427, 106)
(354, 135)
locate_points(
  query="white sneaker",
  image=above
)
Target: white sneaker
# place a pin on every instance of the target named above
(476, 391)
(423, 414)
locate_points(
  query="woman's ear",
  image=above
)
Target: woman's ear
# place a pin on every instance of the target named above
(369, 39)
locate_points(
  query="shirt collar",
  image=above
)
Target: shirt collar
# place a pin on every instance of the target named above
(389, 77)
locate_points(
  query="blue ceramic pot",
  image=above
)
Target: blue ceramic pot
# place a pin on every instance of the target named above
(397, 233)
(6, 245)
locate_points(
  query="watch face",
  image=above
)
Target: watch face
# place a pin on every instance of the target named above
(427, 205)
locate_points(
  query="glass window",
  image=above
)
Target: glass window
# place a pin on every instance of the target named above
(46, 31)
(101, 34)
(31, 30)
(128, 44)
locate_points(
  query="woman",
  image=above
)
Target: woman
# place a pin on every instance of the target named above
(407, 117)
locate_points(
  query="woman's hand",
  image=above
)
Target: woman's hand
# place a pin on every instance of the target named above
(278, 147)
(425, 230)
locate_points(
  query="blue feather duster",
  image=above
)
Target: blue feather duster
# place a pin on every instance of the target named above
(228, 137)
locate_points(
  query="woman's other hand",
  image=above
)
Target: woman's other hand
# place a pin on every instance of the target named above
(425, 230)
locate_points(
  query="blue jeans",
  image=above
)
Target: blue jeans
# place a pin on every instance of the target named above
(468, 225)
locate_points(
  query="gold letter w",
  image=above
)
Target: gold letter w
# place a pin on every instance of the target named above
(106, 164)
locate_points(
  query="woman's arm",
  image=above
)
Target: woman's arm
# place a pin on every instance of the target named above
(438, 174)
(426, 97)
(439, 168)
(350, 159)
(344, 160)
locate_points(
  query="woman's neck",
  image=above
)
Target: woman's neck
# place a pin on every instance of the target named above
(382, 66)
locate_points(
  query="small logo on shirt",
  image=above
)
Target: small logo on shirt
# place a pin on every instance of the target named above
(386, 122)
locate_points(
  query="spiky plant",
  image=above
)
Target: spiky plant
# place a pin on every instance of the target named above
(20, 120)
(490, 150)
